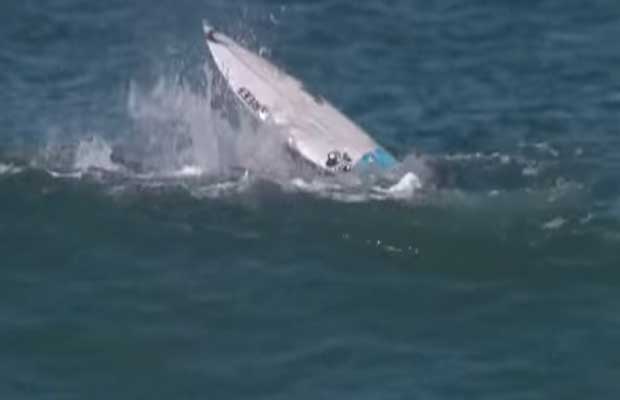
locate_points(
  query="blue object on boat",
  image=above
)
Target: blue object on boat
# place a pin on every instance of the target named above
(378, 157)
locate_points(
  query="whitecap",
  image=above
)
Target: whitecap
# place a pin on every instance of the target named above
(554, 224)
(9, 169)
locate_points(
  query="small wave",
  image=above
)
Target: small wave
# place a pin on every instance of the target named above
(224, 188)
(554, 224)
(10, 169)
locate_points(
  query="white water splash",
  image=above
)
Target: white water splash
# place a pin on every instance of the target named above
(184, 133)
(182, 129)
(405, 188)
(94, 153)
(356, 191)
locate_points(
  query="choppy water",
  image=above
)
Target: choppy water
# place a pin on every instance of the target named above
(219, 268)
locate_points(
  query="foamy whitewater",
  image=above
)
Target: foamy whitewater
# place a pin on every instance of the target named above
(206, 141)
(201, 139)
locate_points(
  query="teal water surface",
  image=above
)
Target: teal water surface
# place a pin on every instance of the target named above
(499, 282)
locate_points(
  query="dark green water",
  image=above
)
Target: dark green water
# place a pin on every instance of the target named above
(501, 283)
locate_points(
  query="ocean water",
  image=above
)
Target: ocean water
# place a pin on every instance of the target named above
(156, 243)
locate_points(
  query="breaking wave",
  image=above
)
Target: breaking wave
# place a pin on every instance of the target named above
(194, 135)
